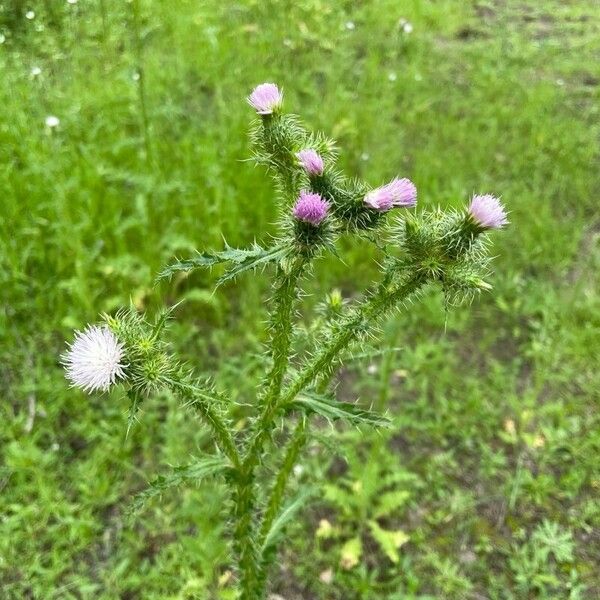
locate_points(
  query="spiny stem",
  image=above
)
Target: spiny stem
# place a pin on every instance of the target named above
(243, 536)
(378, 305)
(276, 498)
(296, 443)
(285, 297)
(245, 496)
(371, 310)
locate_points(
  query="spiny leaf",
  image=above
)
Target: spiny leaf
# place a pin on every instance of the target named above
(202, 468)
(330, 408)
(286, 515)
(253, 259)
(241, 258)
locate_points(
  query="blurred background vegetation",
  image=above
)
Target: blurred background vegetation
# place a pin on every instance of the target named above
(123, 142)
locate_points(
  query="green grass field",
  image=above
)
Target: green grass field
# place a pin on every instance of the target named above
(490, 476)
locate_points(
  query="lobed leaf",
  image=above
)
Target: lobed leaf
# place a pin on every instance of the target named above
(242, 260)
(201, 469)
(327, 406)
(286, 515)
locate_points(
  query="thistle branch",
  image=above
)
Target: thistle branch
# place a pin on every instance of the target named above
(281, 325)
(204, 401)
(373, 309)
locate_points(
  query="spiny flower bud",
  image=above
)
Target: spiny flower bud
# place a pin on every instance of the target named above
(94, 359)
(311, 161)
(487, 212)
(310, 208)
(398, 192)
(266, 98)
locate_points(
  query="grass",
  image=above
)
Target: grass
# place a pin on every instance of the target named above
(487, 486)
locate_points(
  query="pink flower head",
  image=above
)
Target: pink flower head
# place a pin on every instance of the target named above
(310, 208)
(265, 98)
(311, 161)
(487, 212)
(398, 192)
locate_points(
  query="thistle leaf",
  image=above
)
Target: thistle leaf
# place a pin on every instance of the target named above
(250, 260)
(286, 515)
(200, 469)
(327, 406)
(242, 260)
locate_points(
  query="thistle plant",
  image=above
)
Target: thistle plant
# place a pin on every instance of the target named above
(319, 205)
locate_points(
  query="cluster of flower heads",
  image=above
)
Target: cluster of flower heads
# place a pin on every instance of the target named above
(486, 212)
(95, 359)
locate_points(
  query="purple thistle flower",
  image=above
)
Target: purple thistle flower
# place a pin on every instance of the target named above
(311, 161)
(398, 192)
(487, 212)
(310, 208)
(265, 98)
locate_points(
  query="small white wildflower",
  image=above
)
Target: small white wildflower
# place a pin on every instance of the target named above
(392, 76)
(407, 27)
(350, 25)
(93, 361)
(72, 1)
(372, 369)
(298, 470)
(136, 76)
(35, 71)
(2, 38)
(365, 156)
(30, 15)
(52, 121)
(560, 82)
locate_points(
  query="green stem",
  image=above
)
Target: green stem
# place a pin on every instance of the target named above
(245, 495)
(285, 297)
(375, 308)
(243, 536)
(295, 446)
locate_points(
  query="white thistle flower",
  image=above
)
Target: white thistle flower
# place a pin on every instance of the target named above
(93, 361)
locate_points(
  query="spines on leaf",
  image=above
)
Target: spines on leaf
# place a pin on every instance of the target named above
(332, 409)
(241, 260)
